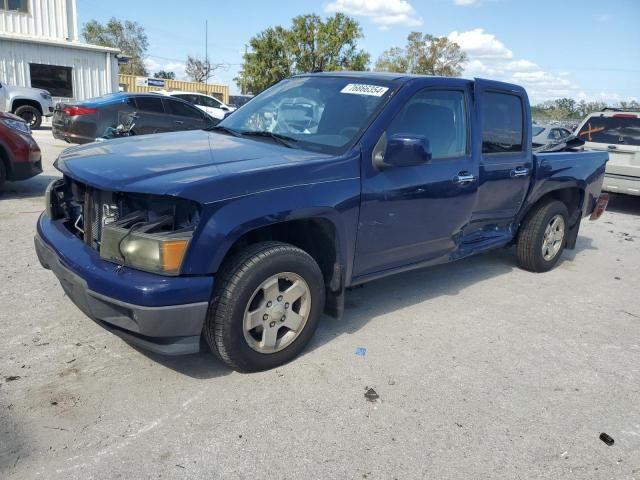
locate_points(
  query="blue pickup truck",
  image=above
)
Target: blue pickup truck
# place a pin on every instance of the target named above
(245, 233)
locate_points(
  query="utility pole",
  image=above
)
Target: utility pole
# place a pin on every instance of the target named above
(206, 51)
(244, 60)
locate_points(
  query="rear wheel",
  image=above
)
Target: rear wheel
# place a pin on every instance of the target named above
(543, 236)
(31, 115)
(266, 307)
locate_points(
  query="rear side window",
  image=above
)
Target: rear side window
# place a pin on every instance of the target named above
(616, 130)
(438, 115)
(502, 123)
(208, 102)
(187, 98)
(182, 109)
(150, 104)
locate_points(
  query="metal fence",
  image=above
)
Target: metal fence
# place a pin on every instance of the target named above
(132, 83)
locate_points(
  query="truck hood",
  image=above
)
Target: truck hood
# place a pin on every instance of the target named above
(26, 92)
(199, 165)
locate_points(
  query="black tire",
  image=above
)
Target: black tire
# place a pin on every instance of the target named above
(532, 235)
(237, 281)
(3, 173)
(31, 115)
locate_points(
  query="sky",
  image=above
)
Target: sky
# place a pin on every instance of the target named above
(584, 49)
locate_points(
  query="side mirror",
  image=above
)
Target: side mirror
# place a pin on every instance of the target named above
(401, 150)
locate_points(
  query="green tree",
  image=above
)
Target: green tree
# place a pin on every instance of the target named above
(310, 44)
(424, 54)
(164, 74)
(129, 37)
(267, 63)
(198, 70)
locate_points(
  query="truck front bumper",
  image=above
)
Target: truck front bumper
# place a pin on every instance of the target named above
(144, 309)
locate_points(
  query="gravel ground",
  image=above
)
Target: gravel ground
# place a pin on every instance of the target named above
(483, 371)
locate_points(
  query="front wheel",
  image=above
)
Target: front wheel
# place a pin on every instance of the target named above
(266, 306)
(31, 115)
(543, 236)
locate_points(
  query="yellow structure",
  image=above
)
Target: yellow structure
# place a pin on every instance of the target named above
(132, 83)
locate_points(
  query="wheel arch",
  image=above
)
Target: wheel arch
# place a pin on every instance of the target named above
(317, 233)
(572, 196)
(21, 102)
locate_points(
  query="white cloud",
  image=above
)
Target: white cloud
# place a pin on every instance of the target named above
(465, 3)
(480, 44)
(385, 13)
(521, 66)
(488, 57)
(154, 66)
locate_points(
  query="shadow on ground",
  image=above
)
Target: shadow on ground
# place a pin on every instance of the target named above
(12, 439)
(202, 366)
(629, 204)
(33, 187)
(378, 298)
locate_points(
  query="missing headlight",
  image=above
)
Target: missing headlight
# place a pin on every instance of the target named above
(154, 239)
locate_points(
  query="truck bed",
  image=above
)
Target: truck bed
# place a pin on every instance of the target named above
(583, 170)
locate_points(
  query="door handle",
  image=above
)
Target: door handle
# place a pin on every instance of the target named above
(464, 177)
(179, 122)
(520, 172)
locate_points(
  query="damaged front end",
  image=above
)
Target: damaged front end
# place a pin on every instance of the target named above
(146, 232)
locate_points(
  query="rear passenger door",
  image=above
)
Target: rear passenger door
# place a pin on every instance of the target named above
(184, 116)
(151, 117)
(505, 158)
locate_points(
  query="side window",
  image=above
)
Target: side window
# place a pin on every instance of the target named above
(553, 134)
(440, 116)
(150, 104)
(182, 109)
(209, 102)
(502, 123)
(189, 98)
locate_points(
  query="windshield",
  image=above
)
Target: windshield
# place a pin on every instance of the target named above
(323, 114)
(537, 131)
(621, 129)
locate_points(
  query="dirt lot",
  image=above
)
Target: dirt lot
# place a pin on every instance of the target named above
(483, 372)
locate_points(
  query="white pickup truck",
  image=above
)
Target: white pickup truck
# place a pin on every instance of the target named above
(31, 104)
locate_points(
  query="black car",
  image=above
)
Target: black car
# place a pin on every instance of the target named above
(83, 122)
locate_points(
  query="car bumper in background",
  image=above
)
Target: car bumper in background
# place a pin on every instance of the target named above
(626, 184)
(24, 170)
(131, 304)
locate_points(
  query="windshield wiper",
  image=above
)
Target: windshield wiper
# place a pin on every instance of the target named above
(220, 128)
(281, 139)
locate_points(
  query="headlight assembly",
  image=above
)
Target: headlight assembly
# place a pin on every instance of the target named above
(150, 252)
(161, 253)
(17, 125)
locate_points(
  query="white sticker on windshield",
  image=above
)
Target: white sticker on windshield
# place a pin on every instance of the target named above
(362, 89)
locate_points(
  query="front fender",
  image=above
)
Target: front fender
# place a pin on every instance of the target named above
(16, 97)
(225, 222)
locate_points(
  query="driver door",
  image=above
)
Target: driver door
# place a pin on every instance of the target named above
(414, 214)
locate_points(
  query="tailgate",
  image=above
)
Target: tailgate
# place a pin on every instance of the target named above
(622, 160)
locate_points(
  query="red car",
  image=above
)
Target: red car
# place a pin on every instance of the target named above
(20, 156)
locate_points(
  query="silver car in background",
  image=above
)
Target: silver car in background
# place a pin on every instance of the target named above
(617, 132)
(545, 134)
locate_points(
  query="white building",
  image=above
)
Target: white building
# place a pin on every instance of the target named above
(39, 47)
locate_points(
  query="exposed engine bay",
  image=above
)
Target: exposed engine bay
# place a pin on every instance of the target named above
(124, 227)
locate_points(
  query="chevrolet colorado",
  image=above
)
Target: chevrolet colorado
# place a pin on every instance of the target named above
(243, 234)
